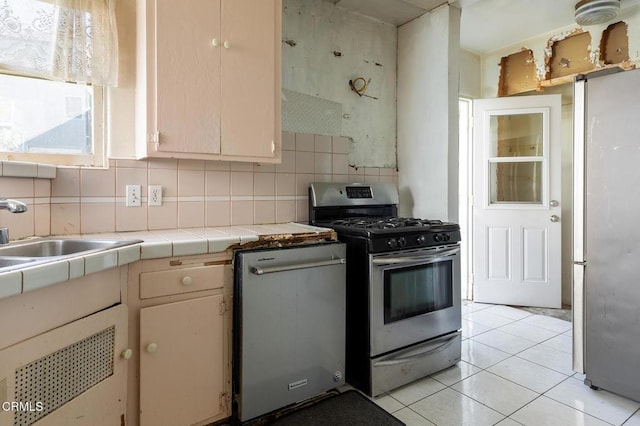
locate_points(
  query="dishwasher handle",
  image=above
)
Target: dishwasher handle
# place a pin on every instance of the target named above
(292, 267)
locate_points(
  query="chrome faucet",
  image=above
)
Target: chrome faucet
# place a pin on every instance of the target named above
(14, 206)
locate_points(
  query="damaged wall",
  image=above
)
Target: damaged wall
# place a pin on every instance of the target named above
(323, 48)
(541, 48)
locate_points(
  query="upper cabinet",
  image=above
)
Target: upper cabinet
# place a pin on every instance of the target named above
(208, 80)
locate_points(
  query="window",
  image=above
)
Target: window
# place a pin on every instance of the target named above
(56, 57)
(50, 121)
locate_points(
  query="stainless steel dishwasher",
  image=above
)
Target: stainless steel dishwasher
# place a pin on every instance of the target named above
(289, 326)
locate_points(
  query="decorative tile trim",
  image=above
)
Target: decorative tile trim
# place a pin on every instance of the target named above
(144, 199)
(27, 170)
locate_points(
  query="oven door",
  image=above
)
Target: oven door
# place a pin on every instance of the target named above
(415, 296)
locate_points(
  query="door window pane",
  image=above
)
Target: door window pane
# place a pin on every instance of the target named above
(516, 182)
(516, 135)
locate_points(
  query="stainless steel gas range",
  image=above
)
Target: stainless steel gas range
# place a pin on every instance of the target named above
(403, 285)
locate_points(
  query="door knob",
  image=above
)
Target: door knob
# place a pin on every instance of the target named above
(554, 203)
(227, 44)
(555, 218)
(152, 347)
(126, 354)
(215, 42)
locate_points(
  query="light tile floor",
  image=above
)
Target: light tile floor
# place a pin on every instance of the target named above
(515, 369)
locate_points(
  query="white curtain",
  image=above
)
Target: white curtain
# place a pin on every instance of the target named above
(67, 40)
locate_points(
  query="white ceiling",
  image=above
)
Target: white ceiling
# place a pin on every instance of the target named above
(486, 25)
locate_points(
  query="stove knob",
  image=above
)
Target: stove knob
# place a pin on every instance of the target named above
(392, 243)
(437, 238)
(421, 240)
(402, 242)
(446, 237)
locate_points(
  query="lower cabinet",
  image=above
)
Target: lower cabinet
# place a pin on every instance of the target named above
(181, 362)
(75, 374)
(180, 330)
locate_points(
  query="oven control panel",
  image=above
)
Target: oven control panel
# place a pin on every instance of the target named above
(417, 240)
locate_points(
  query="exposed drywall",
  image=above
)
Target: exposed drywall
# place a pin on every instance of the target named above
(570, 55)
(614, 47)
(428, 64)
(323, 48)
(517, 73)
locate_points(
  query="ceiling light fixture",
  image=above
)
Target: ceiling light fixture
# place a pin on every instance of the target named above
(592, 12)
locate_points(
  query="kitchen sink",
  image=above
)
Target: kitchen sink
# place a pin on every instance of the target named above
(8, 262)
(26, 253)
(59, 247)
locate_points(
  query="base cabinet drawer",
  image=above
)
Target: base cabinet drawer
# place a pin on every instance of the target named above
(178, 281)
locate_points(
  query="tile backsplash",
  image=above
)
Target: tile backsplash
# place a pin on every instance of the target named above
(195, 193)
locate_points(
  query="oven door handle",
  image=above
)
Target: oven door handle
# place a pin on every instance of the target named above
(435, 257)
(445, 344)
(261, 271)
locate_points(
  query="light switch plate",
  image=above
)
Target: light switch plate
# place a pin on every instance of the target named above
(134, 196)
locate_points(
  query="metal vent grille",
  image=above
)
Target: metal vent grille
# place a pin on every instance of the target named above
(62, 375)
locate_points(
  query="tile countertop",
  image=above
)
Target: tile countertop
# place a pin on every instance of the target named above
(154, 245)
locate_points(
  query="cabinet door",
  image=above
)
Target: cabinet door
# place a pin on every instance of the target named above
(71, 375)
(182, 362)
(250, 77)
(188, 75)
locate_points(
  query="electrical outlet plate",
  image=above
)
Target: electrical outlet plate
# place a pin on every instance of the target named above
(155, 195)
(134, 196)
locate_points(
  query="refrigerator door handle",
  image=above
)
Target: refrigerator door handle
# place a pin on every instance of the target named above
(579, 265)
(578, 311)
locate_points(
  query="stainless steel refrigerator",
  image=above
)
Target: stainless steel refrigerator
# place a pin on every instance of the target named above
(606, 267)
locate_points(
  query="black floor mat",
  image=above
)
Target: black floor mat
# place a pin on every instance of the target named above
(350, 408)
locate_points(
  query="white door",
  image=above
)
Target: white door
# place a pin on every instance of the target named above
(516, 201)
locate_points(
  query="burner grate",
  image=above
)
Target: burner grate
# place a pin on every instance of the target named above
(385, 222)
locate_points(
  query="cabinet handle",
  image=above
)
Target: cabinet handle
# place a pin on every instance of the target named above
(215, 42)
(187, 280)
(126, 354)
(152, 347)
(227, 44)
